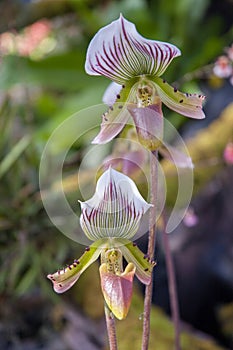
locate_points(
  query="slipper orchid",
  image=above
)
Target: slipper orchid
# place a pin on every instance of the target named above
(135, 65)
(110, 218)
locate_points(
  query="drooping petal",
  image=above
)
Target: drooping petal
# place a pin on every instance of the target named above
(111, 93)
(112, 124)
(149, 125)
(126, 157)
(117, 289)
(120, 53)
(114, 120)
(133, 162)
(65, 278)
(144, 265)
(116, 208)
(189, 105)
(130, 163)
(180, 159)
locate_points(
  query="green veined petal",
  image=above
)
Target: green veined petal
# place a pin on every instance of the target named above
(189, 105)
(132, 253)
(65, 278)
(114, 120)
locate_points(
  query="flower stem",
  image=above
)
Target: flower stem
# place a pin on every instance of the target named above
(151, 247)
(111, 328)
(172, 286)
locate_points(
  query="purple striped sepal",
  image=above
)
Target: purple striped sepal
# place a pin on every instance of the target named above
(115, 210)
(120, 53)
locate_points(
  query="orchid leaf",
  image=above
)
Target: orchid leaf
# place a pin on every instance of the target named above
(14, 154)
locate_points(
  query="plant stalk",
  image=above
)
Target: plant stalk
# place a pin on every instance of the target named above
(111, 328)
(172, 286)
(151, 247)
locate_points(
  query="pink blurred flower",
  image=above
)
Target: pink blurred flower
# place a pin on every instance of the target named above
(190, 218)
(228, 153)
(7, 43)
(32, 37)
(27, 41)
(223, 67)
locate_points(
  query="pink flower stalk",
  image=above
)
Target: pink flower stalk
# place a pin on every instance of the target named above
(110, 218)
(135, 65)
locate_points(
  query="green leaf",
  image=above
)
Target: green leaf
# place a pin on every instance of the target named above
(27, 280)
(14, 154)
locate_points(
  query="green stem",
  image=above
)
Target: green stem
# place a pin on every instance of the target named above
(172, 286)
(111, 328)
(151, 247)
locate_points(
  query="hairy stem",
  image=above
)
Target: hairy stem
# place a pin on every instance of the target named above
(172, 287)
(111, 328)
(151, 247)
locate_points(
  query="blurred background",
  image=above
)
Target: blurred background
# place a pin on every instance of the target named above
(42, 82)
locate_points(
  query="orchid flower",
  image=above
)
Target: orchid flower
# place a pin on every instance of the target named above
(223, 67)
(135, 65)
(110, 219)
